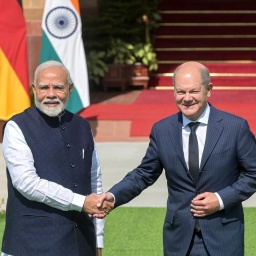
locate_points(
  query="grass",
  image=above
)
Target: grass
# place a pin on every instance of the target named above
(134, 231)
(138, 231)
(250, 231)
(2, 223)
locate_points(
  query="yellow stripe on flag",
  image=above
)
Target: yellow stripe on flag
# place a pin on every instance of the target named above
(13, 97)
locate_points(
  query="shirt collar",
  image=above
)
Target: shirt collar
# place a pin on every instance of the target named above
(202, 119)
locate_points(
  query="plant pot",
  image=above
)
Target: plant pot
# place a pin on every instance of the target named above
(138, 75)
(116, 76)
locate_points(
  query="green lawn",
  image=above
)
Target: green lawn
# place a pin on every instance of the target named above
(2, 222)
(138, 231)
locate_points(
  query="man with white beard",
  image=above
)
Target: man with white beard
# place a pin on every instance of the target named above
(53, 175)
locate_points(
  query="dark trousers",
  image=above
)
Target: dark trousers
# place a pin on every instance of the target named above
(197, 246)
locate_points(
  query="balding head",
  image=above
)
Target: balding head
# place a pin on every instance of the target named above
(192, 67)
(192, 88)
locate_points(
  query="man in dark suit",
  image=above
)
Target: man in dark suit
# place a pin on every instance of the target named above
(207, 180)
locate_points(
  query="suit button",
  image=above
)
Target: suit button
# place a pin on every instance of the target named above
(75, 185)
(68, 145)
(198, 192)
(75, 225)
(63, 127)
(72, 165)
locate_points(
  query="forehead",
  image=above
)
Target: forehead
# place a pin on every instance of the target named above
(52, 73)
(188, 78)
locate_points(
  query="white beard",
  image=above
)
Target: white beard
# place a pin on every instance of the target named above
(51, 111)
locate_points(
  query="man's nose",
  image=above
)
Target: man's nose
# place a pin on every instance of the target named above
(51, 92)
(187, 96)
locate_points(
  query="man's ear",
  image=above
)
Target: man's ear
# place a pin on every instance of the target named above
(209, 89)
(70, 87)
(33, 87)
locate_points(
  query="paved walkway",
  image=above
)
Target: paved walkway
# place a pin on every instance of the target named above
(118, 158)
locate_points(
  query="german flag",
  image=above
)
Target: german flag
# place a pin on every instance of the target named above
(14, 83)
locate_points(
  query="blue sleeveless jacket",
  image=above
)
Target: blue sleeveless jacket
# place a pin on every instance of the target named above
(33, 228)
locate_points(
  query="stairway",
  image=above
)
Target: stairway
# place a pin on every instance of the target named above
(221, 34)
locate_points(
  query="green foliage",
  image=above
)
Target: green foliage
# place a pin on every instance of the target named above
(95, 60)
(119, 30)
(119, 52)
(95, 33)
(127, 53)
(121, 16)
(127, 18)
(144, 53)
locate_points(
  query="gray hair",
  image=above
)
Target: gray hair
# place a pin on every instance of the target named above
(51, 63)
(205, 75)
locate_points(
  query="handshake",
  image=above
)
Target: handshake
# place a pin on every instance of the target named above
(98, 206)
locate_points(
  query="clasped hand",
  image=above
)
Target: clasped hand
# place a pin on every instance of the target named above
(98, 206)
(204, 204)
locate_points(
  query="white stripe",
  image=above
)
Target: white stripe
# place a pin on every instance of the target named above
(70, 50)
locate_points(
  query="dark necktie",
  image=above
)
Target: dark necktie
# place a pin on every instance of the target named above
(193, 152)
(193, 159)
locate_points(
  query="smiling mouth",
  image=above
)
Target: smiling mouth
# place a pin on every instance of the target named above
(188, 105)
(51, 103)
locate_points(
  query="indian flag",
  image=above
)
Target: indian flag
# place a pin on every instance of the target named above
(62, 41)
(14, 84)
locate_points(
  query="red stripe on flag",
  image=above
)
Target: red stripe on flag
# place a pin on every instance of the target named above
(13, 39)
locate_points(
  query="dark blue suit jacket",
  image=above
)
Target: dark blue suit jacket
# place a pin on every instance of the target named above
(228, 167)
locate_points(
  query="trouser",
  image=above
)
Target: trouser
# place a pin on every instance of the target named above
(197, 246)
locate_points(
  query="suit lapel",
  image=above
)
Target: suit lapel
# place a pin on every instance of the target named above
(214, 131)
(175, 133)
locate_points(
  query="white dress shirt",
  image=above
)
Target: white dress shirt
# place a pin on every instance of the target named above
(20, 163)
(201, 136)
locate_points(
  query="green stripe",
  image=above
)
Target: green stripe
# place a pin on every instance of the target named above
(48, 53)
(75, 104)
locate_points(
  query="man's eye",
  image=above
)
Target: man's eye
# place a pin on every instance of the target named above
(59, 88)
(43, 88)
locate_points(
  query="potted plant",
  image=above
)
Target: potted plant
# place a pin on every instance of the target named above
(130, 64)
(144, 53)
(117, 57)
(124, 33)
(142, 60)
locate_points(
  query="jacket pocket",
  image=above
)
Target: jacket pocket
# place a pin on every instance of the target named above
(169, 217)
(231, 215)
